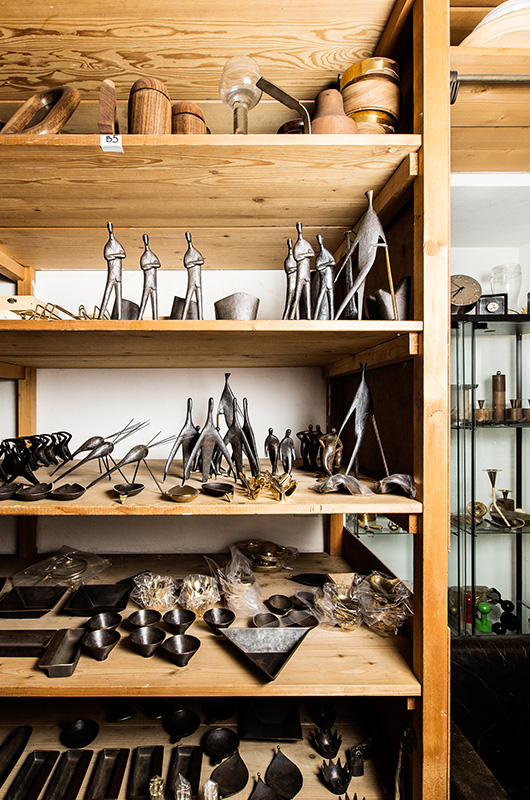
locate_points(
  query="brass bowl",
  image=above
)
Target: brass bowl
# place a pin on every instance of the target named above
(182, 494)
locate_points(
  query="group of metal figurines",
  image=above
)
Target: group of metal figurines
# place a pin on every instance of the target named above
(204, 450)
(305, 298)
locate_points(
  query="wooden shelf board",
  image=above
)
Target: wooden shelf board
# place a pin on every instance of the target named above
(301, 45)
(101, 500)
(489, 149)
(189, 343)
(186, 183)
(45, 716)
(328, 662)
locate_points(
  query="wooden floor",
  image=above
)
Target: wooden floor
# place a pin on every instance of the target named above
(328, 662)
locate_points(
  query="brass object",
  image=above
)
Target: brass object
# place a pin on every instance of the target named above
(480, 509)
(156, 788)
(506, 503)
(515, 412)
(265, 556)
(492, 475)
(482, 414)
(498, 392)
(252, 486)
(281, 487)
(149, 107)
(371, 94)
(56, 104)
(182, 494)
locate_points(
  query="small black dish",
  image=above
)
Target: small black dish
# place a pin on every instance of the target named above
(178, 620)
(300, 619)
(219, 743)
(79, 733)
(219, 708)
(30, 602)
(107, 620)
(216, 489)
(147, 640)
(310, 578)
(99, 643)
(181, 723)
(37, 492)
(218, 618)
(68, 491)
(303, 599)
(92, 599)
(128, 489)
(266, 620)
(9, 489)
(144, 617)
(181, 648)
(279, 604)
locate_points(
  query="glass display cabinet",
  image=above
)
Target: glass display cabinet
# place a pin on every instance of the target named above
(490, 522)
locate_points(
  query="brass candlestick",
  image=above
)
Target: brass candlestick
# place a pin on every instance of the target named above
(498, 390)
(492, 475)
(482, 414)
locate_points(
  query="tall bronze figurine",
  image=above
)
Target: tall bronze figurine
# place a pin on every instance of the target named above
(324, 264)
(289, 266)
(331, 451)
(193, 262)
(369, 237)
(113, 254)
(149, 263)
(302, 252)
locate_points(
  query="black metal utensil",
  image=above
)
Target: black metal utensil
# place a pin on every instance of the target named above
(100, 643)
(144, 617)
(219, 709)
(68, 491)
(310, 578)
(24, 643)
(147, 640)
(231, 776)
(279, 604)
(30, 602)
(32, 775)
(178, 620)
(62, 654)
(218, 618)
(266, 620)
(219, 743)
(327, 743)
(107, 620)
(9, 489)
(68, 775)
(78, 733)
(181, 648)
(181, 723)
(335, 776)
(262, 792)
(186, 760)
(107, 775)
(145, 764)
(268, 648)
(11, 749)
(93, 599)
(36, 492)
(283, 776)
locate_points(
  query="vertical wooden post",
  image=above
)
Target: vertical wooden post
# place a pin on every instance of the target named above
(431, 299)
(27, 425)
(333, 534)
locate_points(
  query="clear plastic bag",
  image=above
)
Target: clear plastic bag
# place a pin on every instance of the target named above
(338, 605)
(198, 593)
(155, 591)
(239, 586)
(67, 567)
(386, 603)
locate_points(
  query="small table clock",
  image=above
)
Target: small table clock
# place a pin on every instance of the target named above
(465, 292)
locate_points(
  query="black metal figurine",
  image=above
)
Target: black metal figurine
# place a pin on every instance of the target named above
(208, 440)
(324, 264)
(332, 448)
(149, 264)
(289, 266)
(315, 447)
(193, 262)
(362, 408)
(226, 403)
(302, 252)
(249, 433)
(272, 449)
(113, 254)
(305, 440)
(186, 439)
(236, 438)
(287, 452)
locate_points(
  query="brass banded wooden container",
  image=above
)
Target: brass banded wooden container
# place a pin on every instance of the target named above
(371, 94)
(149, 107)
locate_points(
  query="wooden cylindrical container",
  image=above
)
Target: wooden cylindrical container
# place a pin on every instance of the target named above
(329, 114)
(149, 107)
(187, 118)
(371, 94)
(498, 395)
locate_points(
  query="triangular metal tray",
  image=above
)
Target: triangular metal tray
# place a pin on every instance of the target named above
(268, 648)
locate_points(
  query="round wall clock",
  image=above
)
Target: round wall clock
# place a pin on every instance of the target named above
(465, 292)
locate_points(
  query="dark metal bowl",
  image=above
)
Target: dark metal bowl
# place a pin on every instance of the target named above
(219, 743)
(144, 617)
(266, 620)
(218, 618)
(107, 620)
(37, 492)
(99, 643)
(68, 491)
(146, 640)
(180, 648)
(178, 620)
(279, 604)
(181, 723)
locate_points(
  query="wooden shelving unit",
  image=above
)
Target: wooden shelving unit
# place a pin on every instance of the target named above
(242, 196)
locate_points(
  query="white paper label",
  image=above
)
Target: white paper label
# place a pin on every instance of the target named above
(111, 142)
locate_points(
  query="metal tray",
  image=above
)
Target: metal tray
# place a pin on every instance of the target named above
(186, 760)
(28, 643)
(146, 763)
(32, 775)
(107, 776)
(25, 602)
(95, 599)
(68, 776)
(62, 654)
(11, 749)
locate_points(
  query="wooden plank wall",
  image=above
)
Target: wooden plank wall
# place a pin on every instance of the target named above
(466, 14)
